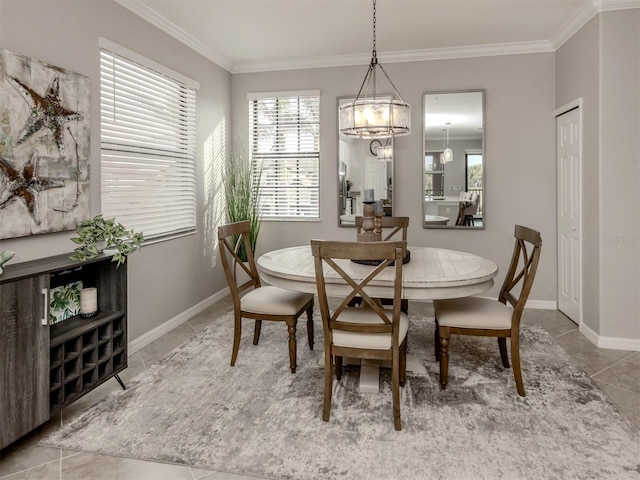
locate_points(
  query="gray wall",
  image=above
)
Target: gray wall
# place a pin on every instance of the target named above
(520, 152)
(167, 278)
(601, 64)
(620, 172)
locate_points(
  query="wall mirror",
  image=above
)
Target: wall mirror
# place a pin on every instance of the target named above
(363, 163)
(453, 159)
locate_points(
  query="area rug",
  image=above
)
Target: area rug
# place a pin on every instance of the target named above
(257, 418)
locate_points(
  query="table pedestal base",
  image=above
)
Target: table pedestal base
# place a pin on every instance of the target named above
(370, 370)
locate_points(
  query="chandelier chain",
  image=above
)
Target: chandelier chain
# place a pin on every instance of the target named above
(374, 28)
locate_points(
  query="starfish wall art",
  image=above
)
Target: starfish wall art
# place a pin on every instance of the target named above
(44, 147)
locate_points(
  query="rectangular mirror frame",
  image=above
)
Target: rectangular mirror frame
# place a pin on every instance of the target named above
(450, 204)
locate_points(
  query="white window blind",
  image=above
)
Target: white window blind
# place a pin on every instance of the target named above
(285, 147)
(148, 146)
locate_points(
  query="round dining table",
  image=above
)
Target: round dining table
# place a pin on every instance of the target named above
(430, 274)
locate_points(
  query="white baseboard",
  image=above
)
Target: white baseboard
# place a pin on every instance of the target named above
(145, 339)
(542, 304)
(613, 343)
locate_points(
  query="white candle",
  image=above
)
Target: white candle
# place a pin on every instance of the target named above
(368, 195)
(379, 209)
(88, 301)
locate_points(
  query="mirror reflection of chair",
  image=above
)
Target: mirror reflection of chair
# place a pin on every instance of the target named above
(485, 317)
(369, 332)
(468, 207)
(254, 301)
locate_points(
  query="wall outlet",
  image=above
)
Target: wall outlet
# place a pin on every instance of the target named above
(214, 261)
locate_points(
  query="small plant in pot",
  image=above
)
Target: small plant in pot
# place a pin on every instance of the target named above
(99, 233)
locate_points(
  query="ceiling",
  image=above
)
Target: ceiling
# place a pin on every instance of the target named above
(261, 35)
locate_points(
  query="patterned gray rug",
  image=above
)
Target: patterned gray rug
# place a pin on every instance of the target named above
(257, 418)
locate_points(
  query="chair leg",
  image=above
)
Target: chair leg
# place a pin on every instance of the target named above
(436, 342)
(338, 367)
(515, 358)
(403, 363)
(256, 331)
(328, 382)
(444, 334)
(502, 344)
(310, 327)
(395, 387)
(291, 328)
(237, 333)
(404, 306)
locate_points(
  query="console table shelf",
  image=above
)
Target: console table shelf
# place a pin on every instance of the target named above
(46, 367)
(84, 353)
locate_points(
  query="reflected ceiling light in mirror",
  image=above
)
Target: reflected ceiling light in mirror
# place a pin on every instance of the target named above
(369, 115)
(385, 153)
(447, 155)
(382, 152)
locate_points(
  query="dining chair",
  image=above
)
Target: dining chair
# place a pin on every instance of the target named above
(467, 208)
(253, 300)
(486, 317)
(398, 225)
(370, 332)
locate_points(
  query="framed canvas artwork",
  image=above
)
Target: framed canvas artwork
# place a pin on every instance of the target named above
(44, 147)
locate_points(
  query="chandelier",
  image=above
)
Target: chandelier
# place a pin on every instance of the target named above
(447, 155)
(371, 115)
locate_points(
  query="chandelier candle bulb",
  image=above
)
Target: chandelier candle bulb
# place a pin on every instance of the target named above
(88, 302)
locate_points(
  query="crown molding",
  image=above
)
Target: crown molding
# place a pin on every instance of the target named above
(579, 20)
(396, 57)
(586, 13)
(146, 13)
(609, 5)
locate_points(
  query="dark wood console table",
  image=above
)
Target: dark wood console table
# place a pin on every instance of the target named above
(44, 367)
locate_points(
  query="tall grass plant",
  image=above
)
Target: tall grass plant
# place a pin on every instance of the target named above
(242, 194)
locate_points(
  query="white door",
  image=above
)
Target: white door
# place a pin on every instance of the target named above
(569, 161)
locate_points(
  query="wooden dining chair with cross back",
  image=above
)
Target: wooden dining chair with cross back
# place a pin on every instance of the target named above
(254, 301)
(371, 331)
(494, 318)
(397, 224)
(398, 227)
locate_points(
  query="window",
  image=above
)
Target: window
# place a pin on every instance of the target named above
(284, 143)
(148, 144)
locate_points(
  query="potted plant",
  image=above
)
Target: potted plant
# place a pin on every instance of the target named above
(241, 191)
(99, 233)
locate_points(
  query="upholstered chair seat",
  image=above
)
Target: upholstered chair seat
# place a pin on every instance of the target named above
(374, 341)
(473, 312)
(275, 301)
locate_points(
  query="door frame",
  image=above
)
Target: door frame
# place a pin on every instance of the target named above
(572, 105)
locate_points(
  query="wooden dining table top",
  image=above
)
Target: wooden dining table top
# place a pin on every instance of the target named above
(431, 273)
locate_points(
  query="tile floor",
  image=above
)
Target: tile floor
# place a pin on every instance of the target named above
(617, 373)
